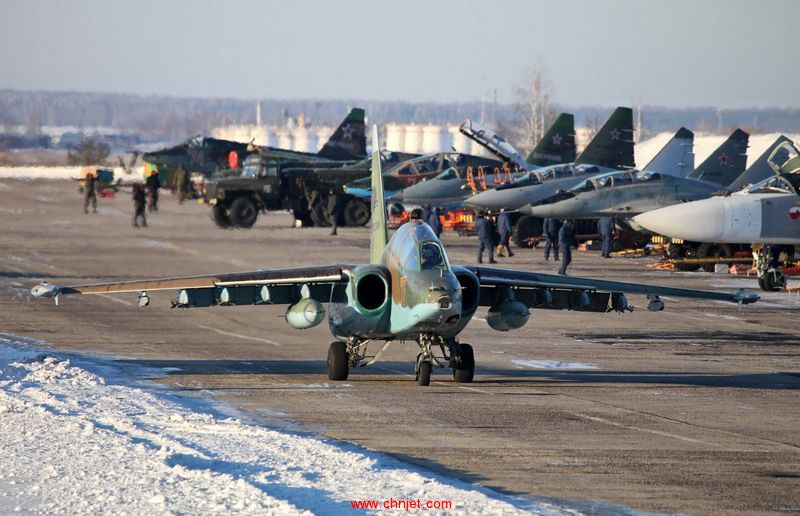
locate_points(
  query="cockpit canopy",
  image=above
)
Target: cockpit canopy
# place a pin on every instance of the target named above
(602, 181)
(774, 184)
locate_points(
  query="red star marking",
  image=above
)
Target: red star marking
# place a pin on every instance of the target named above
(723, 159)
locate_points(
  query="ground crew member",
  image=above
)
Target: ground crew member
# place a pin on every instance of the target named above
(180, 183)
(606, 226)
(90, 192)
(333, 210)
(551, 228)
(566, 240)
(139, 200)
(485, 228)
(504, 228)
(153, 184)
(426, 212)
(434, 222)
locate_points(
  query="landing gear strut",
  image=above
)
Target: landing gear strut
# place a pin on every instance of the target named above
(769, 277)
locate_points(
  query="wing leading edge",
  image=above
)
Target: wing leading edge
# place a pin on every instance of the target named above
(590, 294)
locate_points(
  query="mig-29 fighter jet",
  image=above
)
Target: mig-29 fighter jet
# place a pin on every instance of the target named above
(408, 292)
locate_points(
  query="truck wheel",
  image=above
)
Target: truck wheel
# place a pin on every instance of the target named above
(527, 227)
(243, 212)
(319, 215)
(220, 215)
(356, 213)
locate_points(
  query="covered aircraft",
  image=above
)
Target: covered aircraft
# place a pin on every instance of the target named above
(409, 291)
(766, 213)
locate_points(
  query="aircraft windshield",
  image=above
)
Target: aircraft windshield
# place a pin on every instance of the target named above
(450, 173)
(431, 256)
(775, 184)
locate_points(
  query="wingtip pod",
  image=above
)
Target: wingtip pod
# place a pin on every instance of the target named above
(46, 290)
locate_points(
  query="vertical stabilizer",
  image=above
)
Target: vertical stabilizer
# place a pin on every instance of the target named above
(379, 234)
(759, 170)
(612, 146)
(676, 158)
(349, 141)
(557, 145)
(726, 163)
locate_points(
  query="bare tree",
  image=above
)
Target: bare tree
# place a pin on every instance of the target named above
(89, 152)
(532, 108)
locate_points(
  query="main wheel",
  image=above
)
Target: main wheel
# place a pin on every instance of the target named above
(220, 215)
(772, 281)
(356, 213)
(527, 227)
(243, 212)
(464, 371)
(338, 362)
(424, 374)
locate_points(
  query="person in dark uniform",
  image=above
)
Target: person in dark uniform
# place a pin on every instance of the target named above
(180, 178)
(551, 228)
(153, 184)
(333, 210)
(504, 228)
(485, 228)
(434, 222)
(566, 240)
(139, 201)
(606, 227)
(426, 212)
(90, 193)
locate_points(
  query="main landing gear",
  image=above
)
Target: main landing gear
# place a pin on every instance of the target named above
(460, 357)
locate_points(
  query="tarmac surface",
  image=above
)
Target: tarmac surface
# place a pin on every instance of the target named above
(694, 409)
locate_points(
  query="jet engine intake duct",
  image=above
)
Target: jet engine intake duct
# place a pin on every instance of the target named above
(470, 292)
(371, 288)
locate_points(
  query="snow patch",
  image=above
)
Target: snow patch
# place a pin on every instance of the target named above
(553, 364)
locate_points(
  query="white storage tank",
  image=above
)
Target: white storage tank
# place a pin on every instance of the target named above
(459, 141)
(284, 137)
(434, 139)
(305, 140)
(395, 137)
(324, 134)
(413, 139)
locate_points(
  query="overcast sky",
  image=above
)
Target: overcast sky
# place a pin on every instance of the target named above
(726, 53)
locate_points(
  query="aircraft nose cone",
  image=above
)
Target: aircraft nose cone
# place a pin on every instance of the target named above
(699, 221)
(488, 200)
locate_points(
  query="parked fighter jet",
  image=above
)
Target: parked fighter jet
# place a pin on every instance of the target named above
(208, 155)
(628, 193)
(454, 185)
(408, 292)
(766, 213)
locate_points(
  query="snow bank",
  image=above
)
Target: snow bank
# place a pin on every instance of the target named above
(553, 364)
(58, 172)
(77, 440)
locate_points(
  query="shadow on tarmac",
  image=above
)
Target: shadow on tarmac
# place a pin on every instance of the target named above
(485, 376)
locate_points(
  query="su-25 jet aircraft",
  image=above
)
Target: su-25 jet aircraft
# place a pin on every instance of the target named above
(453, 186)
(767, 213)
(206, 156)
(408, 291)
(627, 193)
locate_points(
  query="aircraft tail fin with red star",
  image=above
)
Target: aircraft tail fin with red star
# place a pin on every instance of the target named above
(349, 140)
(557, 145)
(726, 163)
(612, 146)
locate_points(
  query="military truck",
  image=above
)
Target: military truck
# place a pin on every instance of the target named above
(266, 183)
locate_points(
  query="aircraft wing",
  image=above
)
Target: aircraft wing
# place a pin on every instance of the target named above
(590, 294)
(254, 287)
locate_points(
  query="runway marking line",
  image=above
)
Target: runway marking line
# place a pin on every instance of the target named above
(240, 336)
(645, 430)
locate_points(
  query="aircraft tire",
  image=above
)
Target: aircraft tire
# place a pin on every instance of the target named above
(772, 281)
(465, 371)
(220, 215)
(424, 374)
(527, 227)
(243, 212)
(356, 213)
(338, 361)
(713, 251)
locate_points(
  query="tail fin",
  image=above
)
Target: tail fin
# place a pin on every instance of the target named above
(349, 141)
(759, 169)
(613, 145)
(676, 158)
(379, 235)
(726, 163)
(557, 145)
